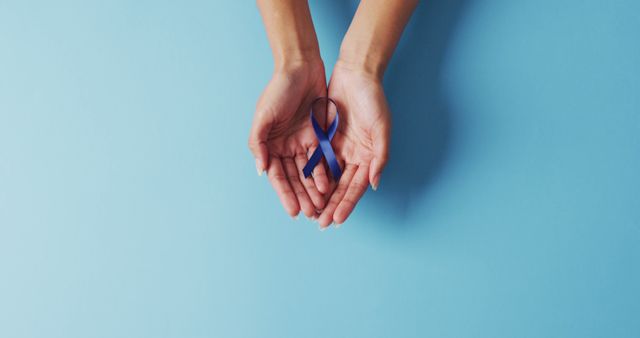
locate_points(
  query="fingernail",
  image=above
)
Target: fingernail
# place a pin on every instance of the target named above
(375, 183)
(321, 228)
(337, 225)
(259, 167)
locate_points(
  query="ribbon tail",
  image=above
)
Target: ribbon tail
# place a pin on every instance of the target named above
(313, 161)
(336, 172)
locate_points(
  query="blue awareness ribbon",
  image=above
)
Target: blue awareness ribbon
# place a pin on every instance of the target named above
(324, 148)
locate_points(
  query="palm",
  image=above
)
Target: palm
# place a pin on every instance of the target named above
(286, 104)
(361, 140)
(282, 136)
(364, 108)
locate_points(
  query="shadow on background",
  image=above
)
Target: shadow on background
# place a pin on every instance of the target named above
(422, 122)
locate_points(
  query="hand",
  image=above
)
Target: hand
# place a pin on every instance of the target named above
(282, 136)
(361, 142)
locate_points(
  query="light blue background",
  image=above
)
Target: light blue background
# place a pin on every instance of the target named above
(130, 207)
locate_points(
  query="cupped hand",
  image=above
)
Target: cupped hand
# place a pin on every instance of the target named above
(282, 137)
(361, 142)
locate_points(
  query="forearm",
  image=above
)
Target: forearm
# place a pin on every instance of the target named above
(290, 31)
(374, 34)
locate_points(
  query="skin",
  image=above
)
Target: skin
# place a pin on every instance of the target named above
(282, 137)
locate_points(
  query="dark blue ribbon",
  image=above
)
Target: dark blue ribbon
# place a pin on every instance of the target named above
(324, 149)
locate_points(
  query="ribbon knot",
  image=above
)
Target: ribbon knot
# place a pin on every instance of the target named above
(324, 148)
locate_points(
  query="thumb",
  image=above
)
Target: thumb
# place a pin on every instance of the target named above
(258, 142)
(381, 137)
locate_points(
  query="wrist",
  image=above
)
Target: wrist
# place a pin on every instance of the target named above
(360, 63)
(296, 63)
(362, 55)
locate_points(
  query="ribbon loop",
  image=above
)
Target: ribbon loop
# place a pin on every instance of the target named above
(324, 148)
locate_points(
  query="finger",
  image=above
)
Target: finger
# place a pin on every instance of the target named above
(281, 185)
(356, 189)
(258, 143)
(332, 187)
(326, 217)
(309, 183)
(380, 153)
(301, 194)
(319, 174)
